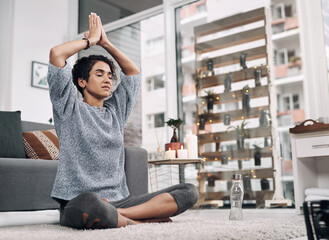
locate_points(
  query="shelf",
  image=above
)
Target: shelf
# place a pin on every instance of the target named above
(237, 76)
(218, 137)
(233, 58)
(231, 40)
(235, 115)
(227, 175)
(236, 96)
(248, 195)
(230, 22)
(176, 161)
(236, 154)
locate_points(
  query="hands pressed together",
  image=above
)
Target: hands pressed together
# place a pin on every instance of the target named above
(96, 34)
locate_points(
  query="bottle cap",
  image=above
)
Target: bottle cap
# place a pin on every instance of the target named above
(236, 176)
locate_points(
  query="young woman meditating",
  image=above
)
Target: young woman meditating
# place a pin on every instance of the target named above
(90, 184)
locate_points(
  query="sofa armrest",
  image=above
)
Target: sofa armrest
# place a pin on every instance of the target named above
(26, 184)
(136, 168)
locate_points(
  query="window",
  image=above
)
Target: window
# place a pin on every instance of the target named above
(288, 11)
(155, 120)
(155, 46)
(278, 11)
(290, 102)
(291, 54)
(202, 8)
(155, 82)
(295, 101)
(111, 10)
(281, 57)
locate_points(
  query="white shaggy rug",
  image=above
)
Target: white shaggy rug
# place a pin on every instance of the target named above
(193, 224)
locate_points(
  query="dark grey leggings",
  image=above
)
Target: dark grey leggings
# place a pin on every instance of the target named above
(89, 211)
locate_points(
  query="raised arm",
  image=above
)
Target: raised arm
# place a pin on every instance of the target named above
(127, 66)
(59, 54)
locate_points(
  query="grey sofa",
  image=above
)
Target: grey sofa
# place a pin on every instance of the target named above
(26, 184)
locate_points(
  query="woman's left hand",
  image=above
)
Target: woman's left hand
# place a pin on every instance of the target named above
(103, 40)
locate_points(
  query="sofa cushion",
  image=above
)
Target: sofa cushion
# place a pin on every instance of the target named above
(41, 144)
(11, 139)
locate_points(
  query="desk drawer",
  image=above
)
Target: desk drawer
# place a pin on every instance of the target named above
(312, 147)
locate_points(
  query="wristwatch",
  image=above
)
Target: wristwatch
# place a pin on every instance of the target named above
(88, 43)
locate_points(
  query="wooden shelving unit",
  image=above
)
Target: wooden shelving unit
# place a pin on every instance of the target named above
(209, 39)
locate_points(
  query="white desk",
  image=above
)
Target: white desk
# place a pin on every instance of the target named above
(310, 153)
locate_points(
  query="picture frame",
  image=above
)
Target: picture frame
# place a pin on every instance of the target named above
(39, 75)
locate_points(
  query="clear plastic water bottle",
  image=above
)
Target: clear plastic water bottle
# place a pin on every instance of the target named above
(236, 198)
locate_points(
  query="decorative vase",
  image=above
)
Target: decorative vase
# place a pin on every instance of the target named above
(174, 137)
(257, 158)
(228, 82)
(227, 119)
(202, 122)
(240, 141)
(258, 74)
(243, 58)
(263, 120)
(246, 100)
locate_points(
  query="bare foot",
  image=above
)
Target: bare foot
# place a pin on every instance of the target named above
(124, 221)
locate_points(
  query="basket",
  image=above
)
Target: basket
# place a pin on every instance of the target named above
(316, 215)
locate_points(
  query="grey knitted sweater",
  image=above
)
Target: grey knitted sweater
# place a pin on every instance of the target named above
(91, 150)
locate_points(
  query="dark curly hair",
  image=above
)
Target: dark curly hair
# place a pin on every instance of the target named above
(83, 66)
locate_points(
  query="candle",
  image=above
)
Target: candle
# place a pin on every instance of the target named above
(182, 153)
(170, 154)
(192, 145)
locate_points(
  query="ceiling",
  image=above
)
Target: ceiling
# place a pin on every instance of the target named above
(133, 6)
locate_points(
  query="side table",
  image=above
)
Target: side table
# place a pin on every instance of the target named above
(167, 172)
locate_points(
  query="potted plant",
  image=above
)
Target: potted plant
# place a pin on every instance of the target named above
(240, 133)
(257, 154)
(210, 95)
(174, 144)
(174, 124)
(294, 59)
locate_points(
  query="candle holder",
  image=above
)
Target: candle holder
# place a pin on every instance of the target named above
(227, 119)
(257, 74)
(224, 159)
(210, 68)
(228, 82)
(243, 58)
(263, 120)
(246, 99)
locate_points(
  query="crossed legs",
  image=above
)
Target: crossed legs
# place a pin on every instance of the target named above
(89, 211)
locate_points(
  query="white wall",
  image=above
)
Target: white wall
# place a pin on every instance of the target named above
(35, 27)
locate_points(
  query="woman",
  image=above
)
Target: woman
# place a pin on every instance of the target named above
(90, 184)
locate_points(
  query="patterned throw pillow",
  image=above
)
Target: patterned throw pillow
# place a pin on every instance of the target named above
(41, 144)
